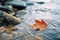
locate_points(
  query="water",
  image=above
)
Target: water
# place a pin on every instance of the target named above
(49, 11)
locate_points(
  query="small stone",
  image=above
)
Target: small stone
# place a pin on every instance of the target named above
(2, 29)
(29, 3)
(24, 0)
(21, 13)
(40, 2)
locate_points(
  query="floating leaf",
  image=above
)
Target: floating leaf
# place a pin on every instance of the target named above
(39, 25)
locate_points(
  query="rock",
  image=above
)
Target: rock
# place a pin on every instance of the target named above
(40, 2)
(29, 3)
(5, 9)
(21, 13)
(9, 7)
(1, 6)
(24, 0)
(1, 14)
(21, 34)
(17, 4)
(1, 18)
(3, 1)
(5, 36)
(12, 19)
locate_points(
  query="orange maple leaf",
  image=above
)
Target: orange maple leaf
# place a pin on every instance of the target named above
(39, 25)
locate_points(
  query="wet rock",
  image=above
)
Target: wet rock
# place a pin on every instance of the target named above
(1, 6)
(1, 14)
(1, 18)
(6, 18)
(40, 2)
(24, 0)
(9, 7)
(3, 1)
(12, 19)
(28, 3)
(21, 34)
(5, 36)
(18, 5)
(21, 13)
(14, 36)
(5, 9)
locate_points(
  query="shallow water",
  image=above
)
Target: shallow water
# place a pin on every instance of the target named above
(50, 12)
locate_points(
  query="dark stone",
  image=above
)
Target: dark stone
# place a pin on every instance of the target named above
(1, 14)
(1, 18)
(9, 7)
(5, 9)
(17, 5)
(24, 0)
(40, 2)
(3, 1)
(29, 3)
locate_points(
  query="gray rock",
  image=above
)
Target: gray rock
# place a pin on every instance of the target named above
(3, 1)
(29, 3)
(21, 13)
(1, 18)
(1, 6)
(12, 19)
(17, 4)
(24, 0)
(5, 9)
(9, 7)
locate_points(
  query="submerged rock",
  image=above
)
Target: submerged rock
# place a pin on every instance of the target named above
(21, 13)
(40, 2)
(29, 3)
(24, 0)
